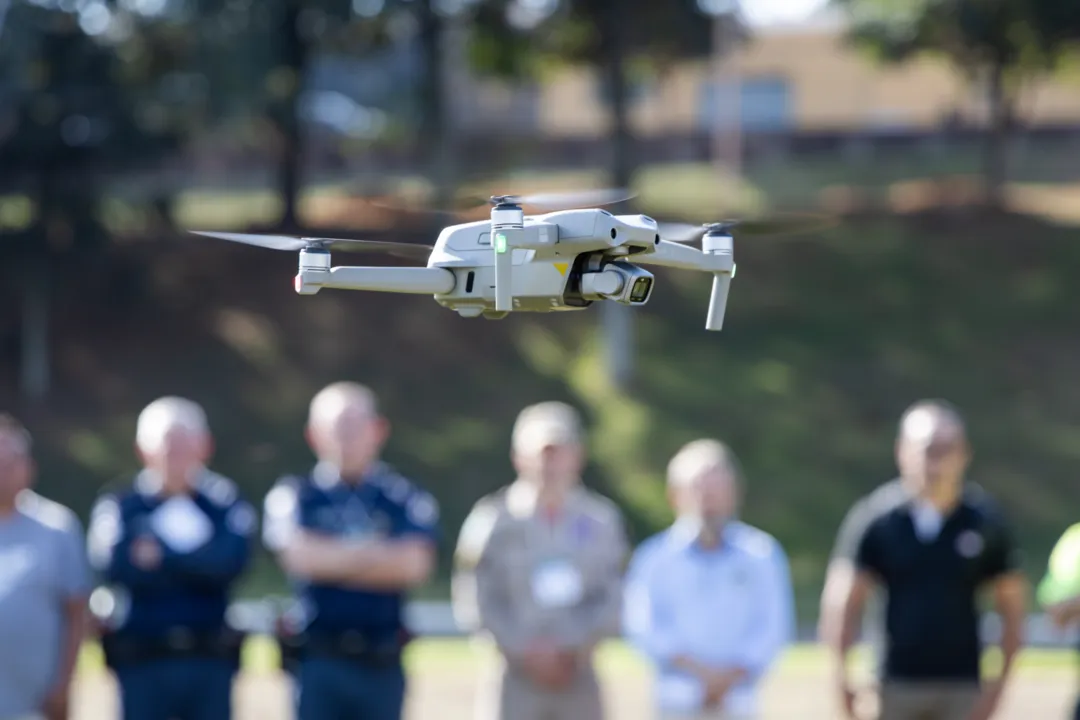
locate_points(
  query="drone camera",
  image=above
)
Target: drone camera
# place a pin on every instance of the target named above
(637, 284)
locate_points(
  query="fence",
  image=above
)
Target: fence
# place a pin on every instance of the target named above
(436, 619)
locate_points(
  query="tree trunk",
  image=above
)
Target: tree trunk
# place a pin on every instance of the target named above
(294, 57)
(435, 142)
(999, 132)
(617, 319)
(35, 277)
(613, 70)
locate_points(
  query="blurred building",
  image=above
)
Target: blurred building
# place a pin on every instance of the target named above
(795, 79)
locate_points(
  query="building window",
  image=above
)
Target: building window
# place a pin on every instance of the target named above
(764, 104)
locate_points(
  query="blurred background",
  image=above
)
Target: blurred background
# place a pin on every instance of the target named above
(945, 135)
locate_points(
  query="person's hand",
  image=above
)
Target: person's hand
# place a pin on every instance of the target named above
(55, 706)
(849, 701)
(988, 701)
(1061, 614)
(717, 685)
(146, 553)
(548, 666)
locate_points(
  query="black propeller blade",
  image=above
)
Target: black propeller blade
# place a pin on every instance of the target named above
(294, 243)
(772, 226)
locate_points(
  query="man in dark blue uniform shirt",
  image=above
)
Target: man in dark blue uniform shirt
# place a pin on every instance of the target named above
(169, 547)
(355, 537)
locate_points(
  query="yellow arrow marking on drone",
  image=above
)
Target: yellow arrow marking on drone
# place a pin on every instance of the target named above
(562, 267)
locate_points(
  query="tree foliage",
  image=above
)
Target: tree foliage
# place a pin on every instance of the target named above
(1022, 36)
(510, 40)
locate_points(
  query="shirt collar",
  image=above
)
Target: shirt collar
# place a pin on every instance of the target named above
(325, 475)
(148, 483)
(521, 498)
(684, 534)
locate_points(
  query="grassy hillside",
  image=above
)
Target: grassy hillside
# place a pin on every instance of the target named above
(828, 338)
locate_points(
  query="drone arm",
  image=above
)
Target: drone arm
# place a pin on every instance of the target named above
(682, 257)
(415, 280)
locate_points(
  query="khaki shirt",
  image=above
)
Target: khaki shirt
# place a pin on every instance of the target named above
(520, 576)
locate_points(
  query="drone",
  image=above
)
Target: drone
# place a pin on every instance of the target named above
(564, 260)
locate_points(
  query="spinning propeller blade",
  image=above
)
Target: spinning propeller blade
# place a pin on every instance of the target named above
(569, 200)
(410, 251)
(546, 201)
(772, 226)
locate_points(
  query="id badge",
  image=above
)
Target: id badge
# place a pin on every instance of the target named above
(557, 584)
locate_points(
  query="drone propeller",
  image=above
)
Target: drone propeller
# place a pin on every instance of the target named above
(566, 200)
(781, 224)
(546, 201)
(410, 251)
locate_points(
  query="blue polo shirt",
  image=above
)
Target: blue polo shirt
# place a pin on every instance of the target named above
(204, 539)
(382, 504)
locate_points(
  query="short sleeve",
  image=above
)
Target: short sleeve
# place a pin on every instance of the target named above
(851, 538)
(1002, 550)
(1062, 579)
(75, 576)
(419, 515)
(106, 529)
(281, 515)
(241, 519)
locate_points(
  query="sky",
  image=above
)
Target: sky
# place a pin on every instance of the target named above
(768, 12)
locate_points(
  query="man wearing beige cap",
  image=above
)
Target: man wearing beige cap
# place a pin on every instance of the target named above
(538, 571)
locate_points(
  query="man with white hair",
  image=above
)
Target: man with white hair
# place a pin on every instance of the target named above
(709, 600)
(932, 542)
(538, 570)
(44, 584)
(355, 537)
(170, 546)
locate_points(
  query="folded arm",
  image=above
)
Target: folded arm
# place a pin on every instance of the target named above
(109, 543)
(224, 557)
(384, 564)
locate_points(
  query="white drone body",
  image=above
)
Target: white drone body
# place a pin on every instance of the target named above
(559, 261)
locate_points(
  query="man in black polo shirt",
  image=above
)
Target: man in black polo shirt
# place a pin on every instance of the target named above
(931, 542)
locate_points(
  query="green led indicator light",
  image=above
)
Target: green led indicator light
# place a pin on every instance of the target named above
(500, 243)
(733, 270)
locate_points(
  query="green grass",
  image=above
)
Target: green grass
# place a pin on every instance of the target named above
(458, 654)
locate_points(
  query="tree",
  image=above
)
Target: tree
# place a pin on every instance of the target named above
(998, 44)
(84, 100)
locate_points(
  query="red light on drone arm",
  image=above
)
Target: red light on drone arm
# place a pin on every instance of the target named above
(298, 283)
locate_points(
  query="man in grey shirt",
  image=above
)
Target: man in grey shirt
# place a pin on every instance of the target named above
(44, 584)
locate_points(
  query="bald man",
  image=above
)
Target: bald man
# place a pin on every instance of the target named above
(44, 585)
(170, 547)
(538, 571)
(932, 542)
(709, 600)
(355, 537)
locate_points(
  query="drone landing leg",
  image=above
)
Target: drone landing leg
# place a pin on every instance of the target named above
(721, 283)
(416, 280)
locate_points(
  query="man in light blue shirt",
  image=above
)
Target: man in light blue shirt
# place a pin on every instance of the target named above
(709, 600)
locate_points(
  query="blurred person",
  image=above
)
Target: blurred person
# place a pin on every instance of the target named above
(1059, 590)
(538, 570)
(931, 541)
(44, 586)
(709, 600)
(355, 537)
(170, 546)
